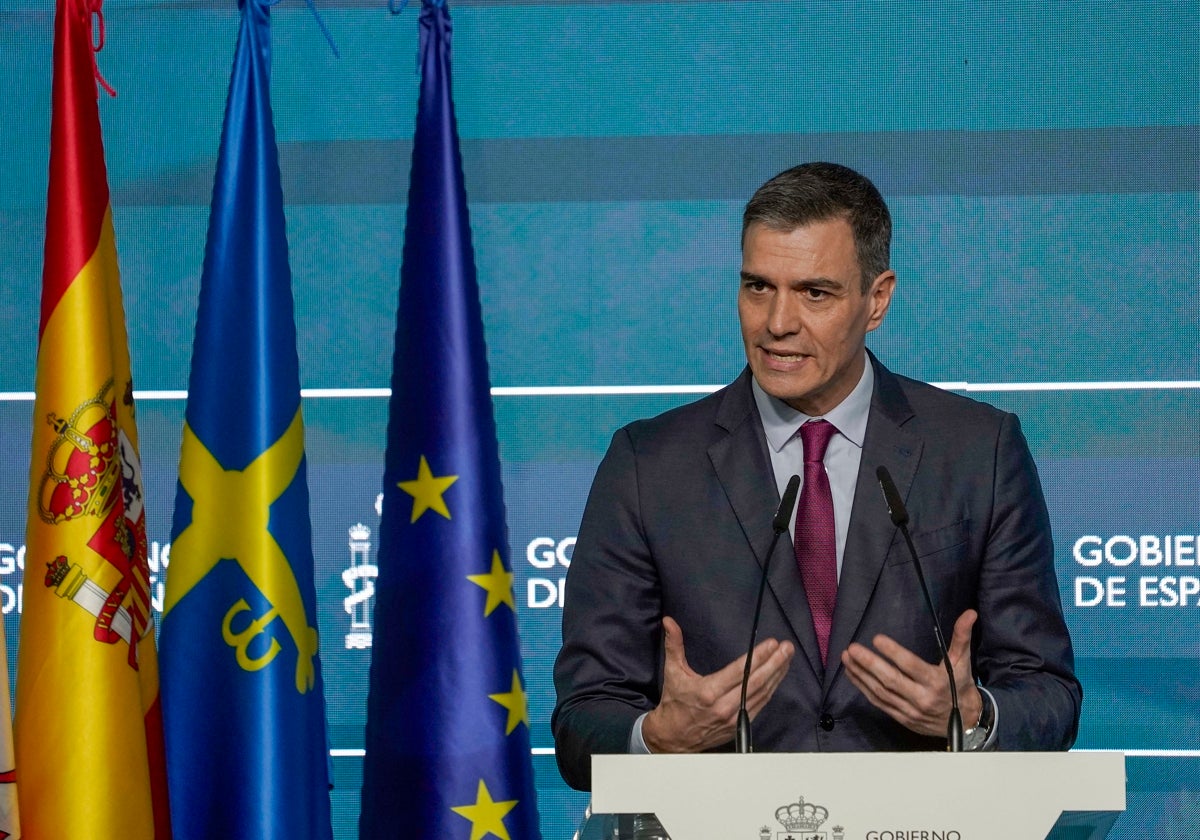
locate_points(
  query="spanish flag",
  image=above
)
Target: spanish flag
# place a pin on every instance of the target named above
(88, 720)
(10, 818)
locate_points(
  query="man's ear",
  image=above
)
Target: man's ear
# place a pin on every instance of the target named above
(880, 297)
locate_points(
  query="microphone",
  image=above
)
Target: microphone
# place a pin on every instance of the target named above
(899, 514)
(783, 516)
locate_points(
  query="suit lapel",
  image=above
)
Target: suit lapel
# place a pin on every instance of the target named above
(743, 468)
(871, 531)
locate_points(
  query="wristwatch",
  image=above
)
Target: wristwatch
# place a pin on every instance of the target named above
(975, 737)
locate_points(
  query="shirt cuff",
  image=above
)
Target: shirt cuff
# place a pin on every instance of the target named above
(637, 744)
(990, 743)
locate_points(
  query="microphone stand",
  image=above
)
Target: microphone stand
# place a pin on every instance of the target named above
(899, 514)
(742, 739)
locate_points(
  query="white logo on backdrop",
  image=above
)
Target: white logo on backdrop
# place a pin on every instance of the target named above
(360, 579)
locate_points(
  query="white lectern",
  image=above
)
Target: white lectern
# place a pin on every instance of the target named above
(866, 796)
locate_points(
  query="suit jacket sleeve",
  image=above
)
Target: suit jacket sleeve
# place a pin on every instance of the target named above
(1022, 649)
(606, 674)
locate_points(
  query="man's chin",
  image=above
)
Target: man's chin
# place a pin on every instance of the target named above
(790, 389)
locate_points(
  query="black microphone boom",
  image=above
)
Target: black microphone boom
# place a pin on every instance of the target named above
(899, 514)
(742, 741)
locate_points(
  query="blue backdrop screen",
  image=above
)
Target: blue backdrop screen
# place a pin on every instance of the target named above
(1041, 161)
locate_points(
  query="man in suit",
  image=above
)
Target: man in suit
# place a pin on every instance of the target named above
(666, 568)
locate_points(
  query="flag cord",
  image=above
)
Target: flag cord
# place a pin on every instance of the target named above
(96, 28)
(397, 9)
(312, 7)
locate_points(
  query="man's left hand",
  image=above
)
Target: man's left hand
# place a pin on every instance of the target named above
(912, 691)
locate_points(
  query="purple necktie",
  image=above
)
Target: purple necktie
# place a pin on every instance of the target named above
(816, 546)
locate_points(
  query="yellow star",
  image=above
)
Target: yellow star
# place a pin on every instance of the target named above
(515, 702)
(426, 490)
(498, 583)
(486, 816)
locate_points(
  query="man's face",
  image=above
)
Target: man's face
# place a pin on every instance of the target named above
(803, 313)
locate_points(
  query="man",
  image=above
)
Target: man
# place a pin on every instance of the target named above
(665, 572)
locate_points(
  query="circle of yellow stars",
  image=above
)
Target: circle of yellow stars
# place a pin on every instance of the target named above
(427, 490)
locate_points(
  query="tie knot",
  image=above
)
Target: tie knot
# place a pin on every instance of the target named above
(815, 435)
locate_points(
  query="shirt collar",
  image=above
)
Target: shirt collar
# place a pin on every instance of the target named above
(781, 421)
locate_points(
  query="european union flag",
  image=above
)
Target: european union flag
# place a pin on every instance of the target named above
(243, 701)
(447, 719)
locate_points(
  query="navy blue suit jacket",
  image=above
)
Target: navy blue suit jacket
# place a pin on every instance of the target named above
(678, 522)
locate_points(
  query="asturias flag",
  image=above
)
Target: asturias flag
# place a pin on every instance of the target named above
(88, 721)
(243, 699)
(447, 737)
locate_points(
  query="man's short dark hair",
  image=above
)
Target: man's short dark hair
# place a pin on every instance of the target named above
(818, 192)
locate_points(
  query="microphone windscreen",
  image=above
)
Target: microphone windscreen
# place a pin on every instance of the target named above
(783, 516)
(891, 495)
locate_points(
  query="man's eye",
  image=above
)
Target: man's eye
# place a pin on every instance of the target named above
(815, 294)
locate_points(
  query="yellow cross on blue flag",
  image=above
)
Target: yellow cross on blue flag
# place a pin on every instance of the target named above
(243, 704)
(447, 737)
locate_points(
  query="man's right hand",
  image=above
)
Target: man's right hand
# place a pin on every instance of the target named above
(699, 712)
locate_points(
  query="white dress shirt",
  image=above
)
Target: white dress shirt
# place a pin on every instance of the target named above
(781, 424)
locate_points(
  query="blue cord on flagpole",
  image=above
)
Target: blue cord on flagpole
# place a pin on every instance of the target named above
(394, 9)
(312, 7)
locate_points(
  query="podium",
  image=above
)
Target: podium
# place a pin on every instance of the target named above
(861, 796)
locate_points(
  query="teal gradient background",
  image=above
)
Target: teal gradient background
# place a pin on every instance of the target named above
(1042, 161)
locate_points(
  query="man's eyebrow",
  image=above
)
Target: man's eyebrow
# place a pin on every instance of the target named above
(804, 282)
(819, 283)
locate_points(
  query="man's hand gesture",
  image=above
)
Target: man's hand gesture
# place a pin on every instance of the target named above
(699, 712)
(912, 691)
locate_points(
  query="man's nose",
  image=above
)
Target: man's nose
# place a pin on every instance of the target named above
(784, 316)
